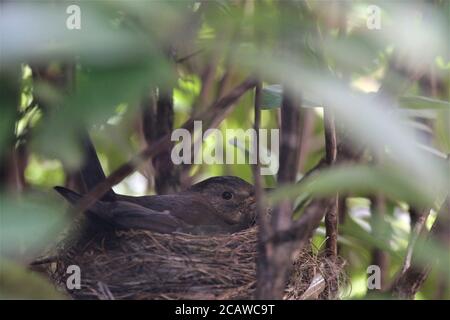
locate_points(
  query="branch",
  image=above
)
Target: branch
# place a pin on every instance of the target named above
(331, 216)
(414, 273)
(289, 157)
(263, 225)
(379, 225)
(272, 263)
(417, 230)
(188, 56)
(303, 228)
(259, 191)
(157, 121)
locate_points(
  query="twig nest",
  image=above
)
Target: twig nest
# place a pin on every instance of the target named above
(140, 264)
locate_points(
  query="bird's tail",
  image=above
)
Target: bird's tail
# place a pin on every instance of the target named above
(94, 212)
(68, 194)
(91, 172)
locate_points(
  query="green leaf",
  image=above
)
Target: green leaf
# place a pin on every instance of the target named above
(359, 179)
(420, 102)
(28, 224)
(271, 97)
(16, 282)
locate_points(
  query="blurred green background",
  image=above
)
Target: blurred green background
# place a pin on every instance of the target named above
(389, 88)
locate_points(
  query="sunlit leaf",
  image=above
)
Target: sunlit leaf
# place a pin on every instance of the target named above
(358, 179)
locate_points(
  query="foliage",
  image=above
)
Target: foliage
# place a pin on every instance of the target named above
(321, 51)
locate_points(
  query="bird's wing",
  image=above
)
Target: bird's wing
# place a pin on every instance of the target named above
(127, 215)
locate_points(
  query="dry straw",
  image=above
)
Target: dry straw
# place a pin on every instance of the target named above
(146, 265)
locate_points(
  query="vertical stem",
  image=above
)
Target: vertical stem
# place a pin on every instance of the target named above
(331, 216)
(379, 257)
(263, 227)
(10, 97)
(157, 121)
(276, 262)
(409, 280)
(257, 166)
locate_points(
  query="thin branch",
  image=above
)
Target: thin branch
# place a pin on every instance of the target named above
(263, 225)
(157, 121)
(378, 224)
(417, 230)
(187, 57)
(259, 191)
(331, 216)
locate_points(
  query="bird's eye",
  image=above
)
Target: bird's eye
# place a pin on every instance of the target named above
(227, 195)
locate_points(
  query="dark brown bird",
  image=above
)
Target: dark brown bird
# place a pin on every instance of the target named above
(215, 205)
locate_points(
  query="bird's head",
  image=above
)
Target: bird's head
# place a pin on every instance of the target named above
(232, 197)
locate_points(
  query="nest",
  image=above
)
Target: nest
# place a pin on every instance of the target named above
(140, 264)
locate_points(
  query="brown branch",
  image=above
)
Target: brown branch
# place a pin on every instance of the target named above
(259, 191)
(331, 216)
(415, 272)
(289, 156)
(273, 267)
(188, 56)
(215, 114)
(263, 226)
(157, 121)
(303, 228)
(418, 230)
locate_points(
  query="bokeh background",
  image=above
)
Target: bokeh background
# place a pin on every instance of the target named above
(388, 87)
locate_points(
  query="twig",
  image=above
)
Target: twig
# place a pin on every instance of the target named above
(331, 216)
(264, 228)
(378, 224)
(187, 57)
(417, 229)
(259, 191)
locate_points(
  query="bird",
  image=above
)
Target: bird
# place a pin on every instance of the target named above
(222, 204)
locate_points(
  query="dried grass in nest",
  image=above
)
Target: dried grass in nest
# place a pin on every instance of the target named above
(146, 265)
